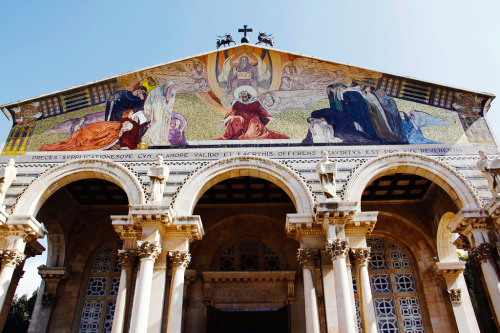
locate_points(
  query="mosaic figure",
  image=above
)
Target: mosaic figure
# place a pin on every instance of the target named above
(247, 118)
(157, 109)
(124, 100)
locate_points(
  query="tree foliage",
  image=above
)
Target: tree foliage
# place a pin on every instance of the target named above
(20, 311)
(478, 296)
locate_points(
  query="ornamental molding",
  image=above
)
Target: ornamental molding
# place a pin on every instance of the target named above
(337, 248)
(52, 277)
(449, 270)
(147, 250)
(179, 259)
(308, 258)
(456, 181)
(455, 296)
(249, 289)
(11, 257)
(484, 252)
(50, 180)
(361, 256)
(127, 258)
(294, 185)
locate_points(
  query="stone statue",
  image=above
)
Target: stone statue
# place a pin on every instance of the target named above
(491, 171)
(9, 175)
(327, 174)
(158, 176)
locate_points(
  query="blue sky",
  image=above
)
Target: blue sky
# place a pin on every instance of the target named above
(51, 45)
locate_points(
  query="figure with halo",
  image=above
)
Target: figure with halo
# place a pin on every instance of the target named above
(327, 174)
(247, 118)
(158, 176)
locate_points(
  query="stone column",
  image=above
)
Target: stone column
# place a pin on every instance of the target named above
(307, 259)
(127, 262)
(368, 319)
(10, 259)
(486, 255)
(458, 294)
(338, 249)
(180, 260)
(51, 276)
(147, 252)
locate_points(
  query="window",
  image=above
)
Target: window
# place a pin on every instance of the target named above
(394, 290)
(100, 292)
(249, 255)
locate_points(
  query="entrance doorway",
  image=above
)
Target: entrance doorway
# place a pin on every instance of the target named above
(266, 321)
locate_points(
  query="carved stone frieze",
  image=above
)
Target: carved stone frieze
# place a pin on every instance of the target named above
(337, 248)
(455, 296)
(307, 257)
(361, 256)
(180, 258)
(147, 250)
(484, 252)
(11, 257)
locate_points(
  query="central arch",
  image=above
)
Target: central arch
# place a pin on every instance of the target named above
(239, 166)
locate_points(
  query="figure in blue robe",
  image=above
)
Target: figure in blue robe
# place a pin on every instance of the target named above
(354, 104)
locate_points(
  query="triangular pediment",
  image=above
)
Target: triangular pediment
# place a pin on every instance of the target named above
(291, 99)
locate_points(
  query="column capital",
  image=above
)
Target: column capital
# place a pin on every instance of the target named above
(467, 221)
(179, 259)
(11, 257)
(307, 257)
(455, 296)
(483, 252)
(337, 248)
(300, 225)
(52, 277)
(361, 256)
(449, 270)
(147, 250)
(127, 258)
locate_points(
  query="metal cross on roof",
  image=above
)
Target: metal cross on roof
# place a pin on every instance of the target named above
(245, 30)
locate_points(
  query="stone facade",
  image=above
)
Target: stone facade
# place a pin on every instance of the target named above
(218, 250)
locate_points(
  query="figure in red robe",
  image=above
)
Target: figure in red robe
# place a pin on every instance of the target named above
(247, 118)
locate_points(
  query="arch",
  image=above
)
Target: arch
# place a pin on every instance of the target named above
(46, 184)
(444, 176)
(259, 167)
(444, 240)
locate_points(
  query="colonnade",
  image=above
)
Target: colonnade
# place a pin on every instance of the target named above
(337, 230)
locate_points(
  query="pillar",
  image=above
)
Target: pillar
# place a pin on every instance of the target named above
(51, 276)
(180, 260)
(10, 259)
(338, 249)
(307, 259)
(368, 319)
(127, 262)
(147, 253)
(485, 255)
(458, 294)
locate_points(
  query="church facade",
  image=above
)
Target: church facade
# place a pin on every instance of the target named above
(252, 190)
